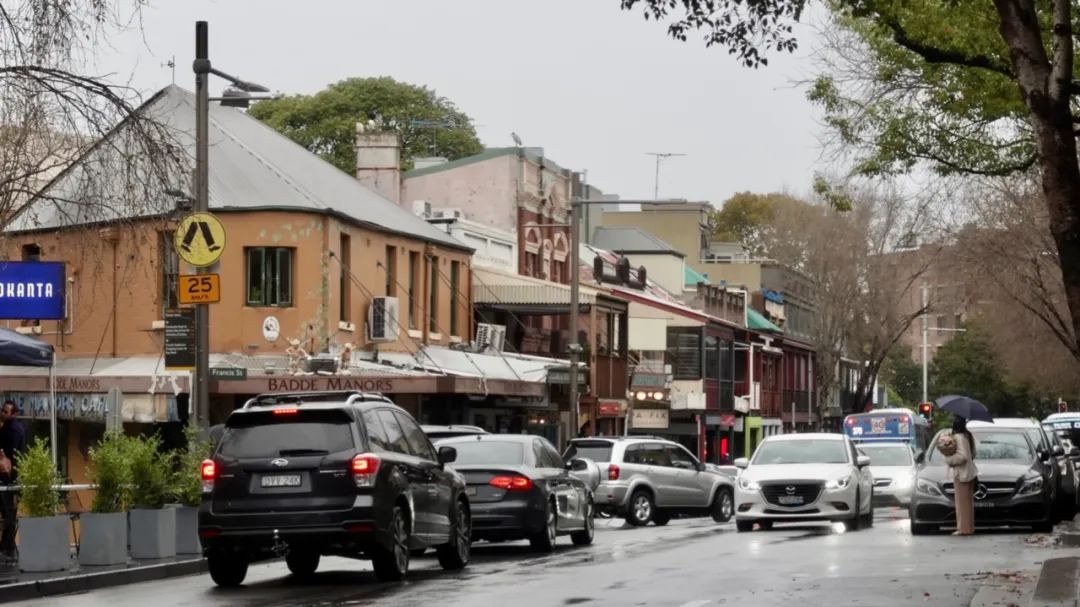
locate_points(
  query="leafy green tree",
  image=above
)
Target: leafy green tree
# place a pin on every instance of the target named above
(903, 375)
(325, 123)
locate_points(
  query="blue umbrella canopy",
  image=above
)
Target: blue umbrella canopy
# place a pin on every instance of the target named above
(965, 407)
(20, 350)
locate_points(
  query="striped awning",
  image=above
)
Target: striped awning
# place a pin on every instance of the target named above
(493, 287)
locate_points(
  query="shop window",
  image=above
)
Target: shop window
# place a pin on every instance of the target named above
(269, 276)
(712, 357)
(684, 353)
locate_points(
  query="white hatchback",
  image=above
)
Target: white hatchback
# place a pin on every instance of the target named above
(804, 477)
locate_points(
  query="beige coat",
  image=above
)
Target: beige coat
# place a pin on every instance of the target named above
(961, 464)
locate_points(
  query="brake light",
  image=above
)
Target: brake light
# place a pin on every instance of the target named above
(612, 472)
(286, 411)
(208, 472)
(364, 468)
(511, 483)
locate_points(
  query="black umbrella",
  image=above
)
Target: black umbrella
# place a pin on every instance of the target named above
(965, 407)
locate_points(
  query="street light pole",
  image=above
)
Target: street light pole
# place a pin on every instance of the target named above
(925, 343)
(201, 67)
(575, 294)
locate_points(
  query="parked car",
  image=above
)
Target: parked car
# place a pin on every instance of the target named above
(805, 477)
(349, 476)
(892, 464)
(437, 433)
(652, 479)
(519, 488)
(1063, 485)
(1014, 485)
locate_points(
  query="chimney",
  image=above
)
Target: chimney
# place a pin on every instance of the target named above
(378, 162)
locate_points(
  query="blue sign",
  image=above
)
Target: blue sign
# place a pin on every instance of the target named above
(32, 290)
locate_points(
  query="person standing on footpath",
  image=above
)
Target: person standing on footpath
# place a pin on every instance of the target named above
(963, 473)
(12, 446)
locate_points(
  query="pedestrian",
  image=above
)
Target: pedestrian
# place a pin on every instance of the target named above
(12, 446)
(963, 473)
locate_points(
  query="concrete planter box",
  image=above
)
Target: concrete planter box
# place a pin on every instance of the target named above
(187, 530)
(43, 543)
(103, 538)
(152, 533)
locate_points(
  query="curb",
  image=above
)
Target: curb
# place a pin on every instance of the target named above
(1057, 585)
(85, 582)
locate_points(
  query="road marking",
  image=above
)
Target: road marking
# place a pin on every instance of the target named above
(700, 603)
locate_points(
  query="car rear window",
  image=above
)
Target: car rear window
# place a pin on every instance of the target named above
(597, 451)
(474, 453)
(265, 434)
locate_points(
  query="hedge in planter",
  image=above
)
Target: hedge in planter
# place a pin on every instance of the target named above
(43, 534)
(187, 492)
(103, 538)
(152, 526)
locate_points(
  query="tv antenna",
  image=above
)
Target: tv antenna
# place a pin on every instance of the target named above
(660, 156)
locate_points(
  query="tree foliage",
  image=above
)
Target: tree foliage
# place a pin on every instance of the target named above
(903, 375)
(325, 123)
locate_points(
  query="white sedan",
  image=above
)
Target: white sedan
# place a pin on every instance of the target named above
(804, 477)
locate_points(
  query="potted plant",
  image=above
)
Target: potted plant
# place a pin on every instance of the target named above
(187, 491)
(43, 534)
(152, 526)
(103, 532)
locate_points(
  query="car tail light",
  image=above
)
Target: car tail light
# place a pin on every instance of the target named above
(612, 472)
(364, 468)
(208, 473)
(292, 411)
(511, 483)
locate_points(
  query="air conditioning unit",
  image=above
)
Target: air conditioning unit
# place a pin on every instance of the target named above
(421, 208)
(382, 321)
(490, 337)
(448, 214)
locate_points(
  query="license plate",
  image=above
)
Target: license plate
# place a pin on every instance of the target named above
(985, 504)
(281, 480)
(470, 491)
(791, 500)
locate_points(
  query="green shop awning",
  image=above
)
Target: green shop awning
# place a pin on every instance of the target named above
(756, 320)
(692, 277)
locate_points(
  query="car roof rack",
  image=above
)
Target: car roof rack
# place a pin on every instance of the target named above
(349, 397)
(627, 437)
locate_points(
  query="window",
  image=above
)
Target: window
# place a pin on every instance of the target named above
(552, 454)
(170, 272)
(31, 252)
(260, 435)
(269, 276)
(615, 333)
(680, 458)
(684, 353)
(419, 444)
(395, 436)
(455, 277)
(375, 431)
(487, 452)
(653, 454)
(345, 295)
(390, 266)
(712, 357)
(597, 451)
(414, 287)
(603, 335)
(433, 296)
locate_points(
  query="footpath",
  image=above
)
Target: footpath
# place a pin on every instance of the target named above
(1053, 582)
(16, 585)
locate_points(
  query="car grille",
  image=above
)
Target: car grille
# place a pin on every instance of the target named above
(882, 482)
(994, 489)
(808, 491)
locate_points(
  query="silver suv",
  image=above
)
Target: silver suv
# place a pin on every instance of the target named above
(646, 478)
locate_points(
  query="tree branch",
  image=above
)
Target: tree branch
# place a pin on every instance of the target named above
(932, 54)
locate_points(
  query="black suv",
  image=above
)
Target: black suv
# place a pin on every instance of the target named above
(346, 474)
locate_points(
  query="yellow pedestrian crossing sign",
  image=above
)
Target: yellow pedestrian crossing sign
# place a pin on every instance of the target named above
(200, 239)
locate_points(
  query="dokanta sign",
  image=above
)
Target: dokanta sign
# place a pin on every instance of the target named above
(32, 290)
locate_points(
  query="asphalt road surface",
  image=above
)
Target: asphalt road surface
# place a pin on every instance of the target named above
(689, 563)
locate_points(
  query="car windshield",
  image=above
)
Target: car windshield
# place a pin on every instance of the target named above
(477, 452)
(809, 451)
(993, 446)
(882, 455)
(597, 451)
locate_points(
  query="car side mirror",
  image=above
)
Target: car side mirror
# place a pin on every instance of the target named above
(700, 466)
(1074, 452)
(1057, 450)
(577, 465)
(920, 457)
(862, 461)
(447, 455)
(742, 463)
(1044, 456)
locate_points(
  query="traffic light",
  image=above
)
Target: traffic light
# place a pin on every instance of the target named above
(925, 409)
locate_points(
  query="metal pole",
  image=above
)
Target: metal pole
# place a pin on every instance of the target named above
(925, 345)
(201, 67)
(575, 347)
(656, 180)
(52, 412)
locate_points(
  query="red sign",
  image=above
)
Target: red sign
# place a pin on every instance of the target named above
(609, 408)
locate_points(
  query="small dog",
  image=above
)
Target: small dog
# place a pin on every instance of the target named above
(946, 445)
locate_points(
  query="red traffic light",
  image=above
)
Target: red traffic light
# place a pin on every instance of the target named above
(925, 409)
(1063, 407)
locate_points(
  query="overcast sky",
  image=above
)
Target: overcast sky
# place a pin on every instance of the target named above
(595, 86)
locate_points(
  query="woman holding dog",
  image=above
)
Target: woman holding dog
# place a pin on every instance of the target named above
(963, 473)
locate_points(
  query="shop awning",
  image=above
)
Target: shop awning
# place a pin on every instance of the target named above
(492, 287)
(757, 322)
(692, 277)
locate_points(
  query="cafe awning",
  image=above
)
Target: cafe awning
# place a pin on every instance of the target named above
(492, 287)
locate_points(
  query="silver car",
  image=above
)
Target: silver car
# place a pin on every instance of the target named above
(652, 479)
(892, 464)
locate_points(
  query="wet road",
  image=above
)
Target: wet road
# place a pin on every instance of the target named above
(689, 563)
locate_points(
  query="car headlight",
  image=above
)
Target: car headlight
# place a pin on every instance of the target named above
(927, 487)
(904, 481)
(748, 485)
(839, 483)
(1031, 486)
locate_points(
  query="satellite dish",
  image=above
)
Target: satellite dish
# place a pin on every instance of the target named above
(517, 140)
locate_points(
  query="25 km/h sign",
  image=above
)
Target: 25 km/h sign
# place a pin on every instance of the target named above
(200, 239)
(200, 288)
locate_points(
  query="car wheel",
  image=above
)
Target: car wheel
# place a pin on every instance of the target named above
(641, 508)
(392, 562)
(868, 519)
(455, 553)
(227, 570)
(744, 526)
(917, 529)
(302, 562)
(852, 524)
(660, 518)
(723, 506)
(544, 541)
(1046, 527)
(585, 536)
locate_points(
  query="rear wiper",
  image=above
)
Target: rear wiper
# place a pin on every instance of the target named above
(287, 452)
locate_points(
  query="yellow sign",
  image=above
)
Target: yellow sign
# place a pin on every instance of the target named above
(200, 239)
(200, 288)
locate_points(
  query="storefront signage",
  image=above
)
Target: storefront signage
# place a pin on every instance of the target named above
(89, 407)
(645, 379)
(317, 384)
(649, 419)
(228, 373)
(180, 339)
(608, 408)
(32, 290)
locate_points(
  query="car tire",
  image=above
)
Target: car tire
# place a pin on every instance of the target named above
(417, 552)
(454, 554)
(868, 518)
(1044, 527)
(227, 570)
(723, 506)
(744, 526)
(853, 523)
(660, 518)
(585, 536)
(544, 540)
(919, 529)
(641, 508)
(392, 563)
(302, 562)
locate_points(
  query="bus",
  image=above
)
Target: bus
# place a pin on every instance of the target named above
(900, 425)
(1066, 426)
